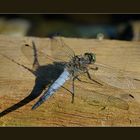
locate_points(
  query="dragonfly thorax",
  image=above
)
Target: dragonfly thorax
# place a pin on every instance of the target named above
(80, 62)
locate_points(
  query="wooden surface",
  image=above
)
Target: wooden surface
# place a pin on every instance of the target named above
(16, 83)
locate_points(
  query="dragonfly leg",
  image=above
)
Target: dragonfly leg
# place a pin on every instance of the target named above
(137, 79)
(88, 74)
(73, 89)
(72, 92)
(103, 108)
(67, 89)
(94, 68)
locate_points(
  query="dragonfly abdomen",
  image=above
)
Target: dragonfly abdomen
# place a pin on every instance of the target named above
(55, 86)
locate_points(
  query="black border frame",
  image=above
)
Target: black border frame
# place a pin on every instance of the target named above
(71, 6)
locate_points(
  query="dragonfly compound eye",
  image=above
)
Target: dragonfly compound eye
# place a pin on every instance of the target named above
(91, 56)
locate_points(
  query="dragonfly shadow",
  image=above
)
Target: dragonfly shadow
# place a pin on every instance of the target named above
(45, 75)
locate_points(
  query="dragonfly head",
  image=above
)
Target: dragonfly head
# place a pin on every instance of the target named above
(91, 57)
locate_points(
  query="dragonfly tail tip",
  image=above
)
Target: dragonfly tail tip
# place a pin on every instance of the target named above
(34, 107)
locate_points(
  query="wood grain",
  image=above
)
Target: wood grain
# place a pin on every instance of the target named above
(16, 83)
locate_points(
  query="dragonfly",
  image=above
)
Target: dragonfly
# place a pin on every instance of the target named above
(77, 65)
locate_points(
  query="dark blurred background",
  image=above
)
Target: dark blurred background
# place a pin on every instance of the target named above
(102, 26)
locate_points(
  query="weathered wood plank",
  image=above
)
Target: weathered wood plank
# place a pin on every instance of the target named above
(17, 82)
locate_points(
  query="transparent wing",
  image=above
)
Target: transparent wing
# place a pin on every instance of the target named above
(101, 96)
(116, 77)
(34, 55)
(95, 98)
(60, 51)
(97, 95)
(57, 52)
